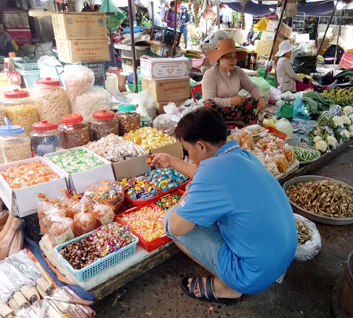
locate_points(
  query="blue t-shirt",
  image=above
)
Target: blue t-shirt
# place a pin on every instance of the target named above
(253, 214)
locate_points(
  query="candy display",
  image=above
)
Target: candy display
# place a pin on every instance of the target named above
(74, 161)
(14, 143)
(147, 222)
(149, 138)
(103, 241)
(73, 131)
(169, 201)
(104, 123)
(27, 174)
(115, 148)
(150, 184)
(44, 137)
(106, 192)
(51, 100)
(129, 120)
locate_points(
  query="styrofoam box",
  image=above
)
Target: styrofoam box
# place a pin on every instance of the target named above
(80, 180)
(23, 201)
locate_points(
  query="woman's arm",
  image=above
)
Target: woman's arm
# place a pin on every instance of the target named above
(287, 67)
(209, 90)
(247, 84)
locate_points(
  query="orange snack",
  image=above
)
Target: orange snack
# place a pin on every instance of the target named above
(61, 229)
(84, 222)
(25, 175)
(103, 213)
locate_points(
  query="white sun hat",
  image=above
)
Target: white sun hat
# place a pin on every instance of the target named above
(284, 48)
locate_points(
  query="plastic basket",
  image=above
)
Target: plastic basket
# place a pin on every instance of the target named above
(180, 192)
(132, 87)
(164, 35)
(29, 77)
(32, 227)
(149, 246)
(278, 133)
(126, 54)
(99, 266)
(26, 65)
(271, 79)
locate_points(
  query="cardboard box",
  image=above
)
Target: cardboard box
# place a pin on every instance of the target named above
(73, 51)
(80, 180)
(268, 35)
(73, 26)
(164, 68)
(302, 38)
(284, 30)
(175, 150)
(160, 105)
(20, 36)
(263, 47)
(130, 168)
(23, 201)
(167, 90)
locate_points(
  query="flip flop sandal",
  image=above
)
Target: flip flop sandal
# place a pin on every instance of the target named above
(207, 294)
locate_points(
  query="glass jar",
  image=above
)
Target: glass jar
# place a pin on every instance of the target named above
(128, 119)
(104, 123)
(73, 131)
(51, 99)
(14, 143)
(146, 121)
(44, 137)
(20, 109)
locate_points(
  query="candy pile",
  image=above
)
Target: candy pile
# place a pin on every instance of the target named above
(148, 222)
(168, 202)
(76, 160)
(102, 242)
(147, 186)
(149, 138)
(27, 174)
(106, 192)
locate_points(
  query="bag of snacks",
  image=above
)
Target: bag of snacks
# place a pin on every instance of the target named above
(103, 213)
(61, 230)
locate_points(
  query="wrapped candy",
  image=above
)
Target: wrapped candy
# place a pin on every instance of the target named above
(169, 201)
(61, 230)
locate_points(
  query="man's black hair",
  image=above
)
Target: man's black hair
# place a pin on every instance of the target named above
(203, 124)
(172, 4)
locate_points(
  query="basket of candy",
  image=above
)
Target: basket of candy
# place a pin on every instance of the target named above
(168, 201)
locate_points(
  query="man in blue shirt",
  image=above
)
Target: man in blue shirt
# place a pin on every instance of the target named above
(184, 22)
(236, 221)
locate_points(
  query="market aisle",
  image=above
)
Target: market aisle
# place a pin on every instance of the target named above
(305, 291)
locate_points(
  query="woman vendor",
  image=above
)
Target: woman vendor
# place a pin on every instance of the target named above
(222, 83)
(287, 80)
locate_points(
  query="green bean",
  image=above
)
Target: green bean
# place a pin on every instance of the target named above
(304, 155)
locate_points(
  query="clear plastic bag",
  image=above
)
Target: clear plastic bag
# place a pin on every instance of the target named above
(61, 230)
(47, 66)
(285, 126)
(15, 276)
(310, 248)
(167, 122)
(145, 102)
(84, 222)
(261, 83)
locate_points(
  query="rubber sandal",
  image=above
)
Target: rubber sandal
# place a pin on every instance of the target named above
(206, 294)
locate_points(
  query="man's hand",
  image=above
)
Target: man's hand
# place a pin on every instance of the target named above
(161, 160)
(237, 100)
(261, 104)
(306, 80)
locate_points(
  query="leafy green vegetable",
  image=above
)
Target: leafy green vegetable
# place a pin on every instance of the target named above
(315, 103)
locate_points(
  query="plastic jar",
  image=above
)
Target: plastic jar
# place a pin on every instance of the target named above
(73, 131)
(128, 119)
(20, 109)
(51, 99)
(14, 143)
(44, 137)
(146, 121)
(104, 123)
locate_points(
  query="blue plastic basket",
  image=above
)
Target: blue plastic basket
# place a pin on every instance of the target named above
(26, 65)
(29, 77)
(99, 266)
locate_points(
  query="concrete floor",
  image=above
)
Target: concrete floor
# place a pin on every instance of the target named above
(304, 292)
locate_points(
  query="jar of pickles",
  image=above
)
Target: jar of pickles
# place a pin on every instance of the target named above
(20, 109)
(104, 123)
(128, 119)
(44, 137)
(14, 143)
(73, 131)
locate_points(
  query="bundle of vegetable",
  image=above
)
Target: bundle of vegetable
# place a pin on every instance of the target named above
(315, 103)
(304, 154)
(341, 96)
(327, 197)
(303, 232)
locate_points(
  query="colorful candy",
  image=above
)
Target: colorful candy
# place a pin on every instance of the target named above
(169, 201)
(27, 174)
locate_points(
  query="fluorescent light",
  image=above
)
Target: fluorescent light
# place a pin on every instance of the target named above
(340, 5)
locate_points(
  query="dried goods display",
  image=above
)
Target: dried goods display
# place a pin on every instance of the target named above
(27, 174)
(147, 222)
(103, 241)
(73, 161)
(104, 123)
(327, 197)
(169, 201)
(303, 232)
(51, 100)
(149, 138)
(115, 148)
(128, 119)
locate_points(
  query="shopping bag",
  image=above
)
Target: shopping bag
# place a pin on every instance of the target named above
(346, 60)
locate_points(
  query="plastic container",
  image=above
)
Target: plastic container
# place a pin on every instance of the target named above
(20, 109)
(44, 137)
(102, 264)
(104, 123)
(14, 143)
(132, 87)
(51, 99)
(73, 131)
(149, 246)
(278, 133)
(128, 119)
(26, 65)
(29, 77)
(146, 121)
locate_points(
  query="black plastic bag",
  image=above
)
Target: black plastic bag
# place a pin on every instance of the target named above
(304, 64)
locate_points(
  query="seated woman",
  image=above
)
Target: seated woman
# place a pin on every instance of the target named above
(222, 83)
(287, 80)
